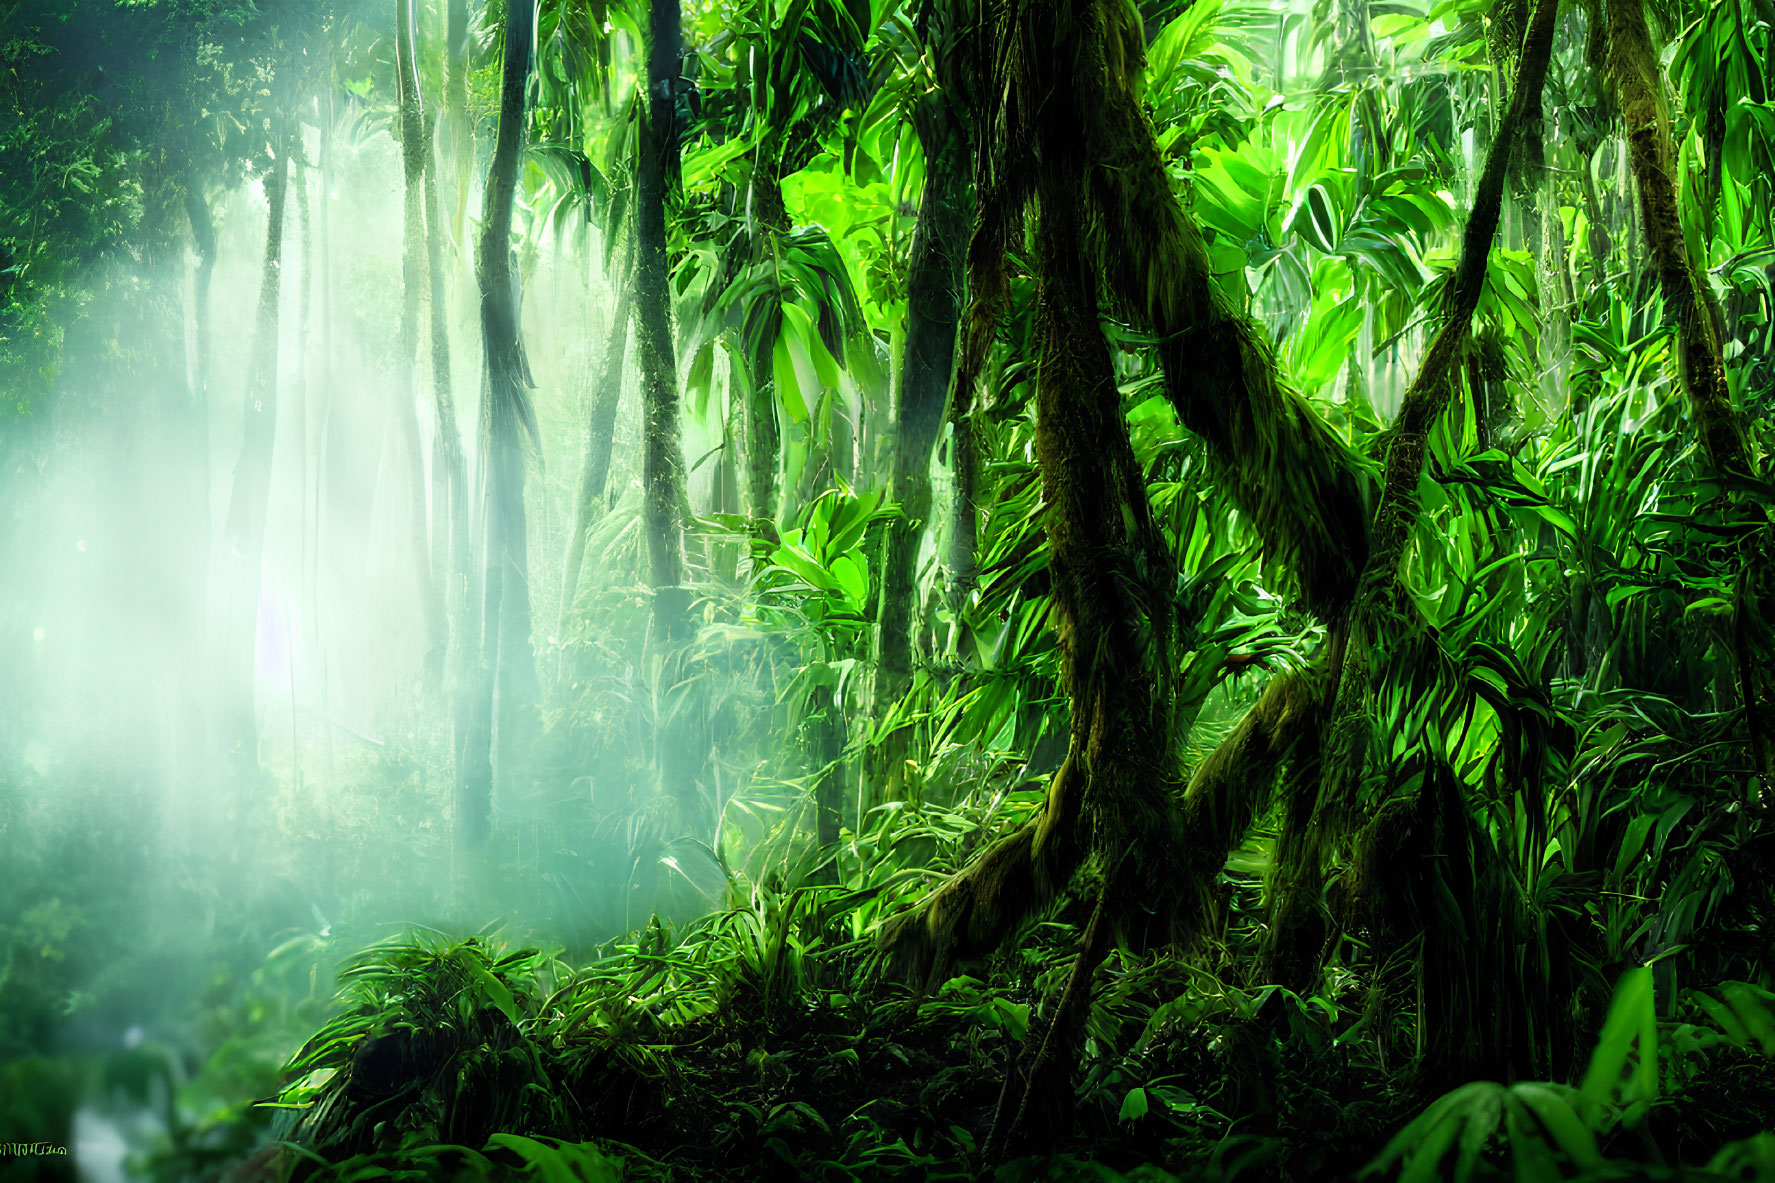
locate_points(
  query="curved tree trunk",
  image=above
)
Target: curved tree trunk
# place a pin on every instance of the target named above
(1312, 826)
(1277, 459)
(1070, 135)
(244, 534)
(1633, 66)
(505, 412)
(1112, 576)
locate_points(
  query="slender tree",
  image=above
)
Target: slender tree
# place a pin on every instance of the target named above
(450, 528)
(933, 296)
(769, 221)
(1633, 67)
(1316, 822)
(600, 434)
(244, 534)
(461, 137)
(964, 508)
(505, 656)
(662, 458)
(414, 277)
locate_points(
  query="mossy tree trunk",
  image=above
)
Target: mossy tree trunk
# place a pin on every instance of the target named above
(1114, 796)
(933, 297)
(1317, 822)
(681, 737)
(1118, 798)
(662, 458)
(964, 508)
(1278, 461)
(1633, 66)
(1069, 135)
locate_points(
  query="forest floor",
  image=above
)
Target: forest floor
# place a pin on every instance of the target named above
(745, 1050)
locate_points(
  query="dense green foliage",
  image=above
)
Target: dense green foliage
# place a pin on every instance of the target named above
(1181, 589)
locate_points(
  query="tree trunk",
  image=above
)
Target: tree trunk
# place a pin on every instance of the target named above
(244, 535)
(203, 238)
(505, 412)
(933, 295)
(964, 512)
(1312, 826)
(1277, 459)
(1633, 66)
(600, 438)
(768, 218)
(826, 719)
(1066, 122)
(462, 149)
(450, 536)
(1535, 196)
(662, 460)
(413, 280)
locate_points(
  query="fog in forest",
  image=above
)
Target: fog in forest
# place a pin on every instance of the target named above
(858, 589)
(116, 557)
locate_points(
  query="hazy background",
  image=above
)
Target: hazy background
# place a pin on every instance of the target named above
(151, 895)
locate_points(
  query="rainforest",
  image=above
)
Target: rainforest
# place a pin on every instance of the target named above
(871, 589)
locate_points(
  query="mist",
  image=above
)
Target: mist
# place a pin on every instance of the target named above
(856, 590)
(189, 858)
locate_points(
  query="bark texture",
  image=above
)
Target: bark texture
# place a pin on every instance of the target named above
(933, 299)
(1633, 67)
(662, 459)
(1280, 463)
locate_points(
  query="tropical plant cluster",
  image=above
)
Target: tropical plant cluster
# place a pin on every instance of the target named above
(1068, 588)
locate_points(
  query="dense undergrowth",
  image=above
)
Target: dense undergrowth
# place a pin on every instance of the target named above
(736, 1052)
